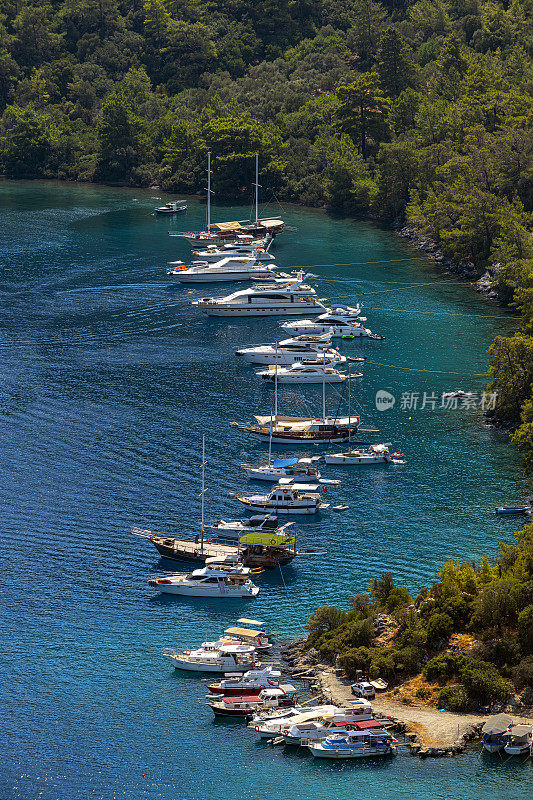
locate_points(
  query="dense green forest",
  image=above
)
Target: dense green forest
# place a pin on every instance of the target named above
(469, 637)
(412, 111)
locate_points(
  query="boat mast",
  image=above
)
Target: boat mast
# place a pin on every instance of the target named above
(256, 188)
(349, 410)
(203, 489)
(324, 391)
(209, 192)
(275, 407)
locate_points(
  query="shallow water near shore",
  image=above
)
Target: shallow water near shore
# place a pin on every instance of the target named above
(109, 379)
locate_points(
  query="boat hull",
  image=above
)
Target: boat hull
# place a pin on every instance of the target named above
(282, 508)
(191, 591)
(316, 379)
(221, 277)
(218, 669)
(362, 752)
(292, 309)
(266, 474)
(355, 461)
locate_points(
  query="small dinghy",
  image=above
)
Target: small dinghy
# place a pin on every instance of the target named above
(513, 510)
(174, 207)
(340, 507)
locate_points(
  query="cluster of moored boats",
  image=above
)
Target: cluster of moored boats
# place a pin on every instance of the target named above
(501, 734)
(256, 693)
(231, 552)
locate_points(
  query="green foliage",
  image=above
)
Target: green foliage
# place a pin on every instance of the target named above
(453, 698)
(525, 629)
(440, 627)
(523, 674)
(480, 679)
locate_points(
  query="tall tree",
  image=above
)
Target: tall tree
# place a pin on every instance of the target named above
(395, 64)
(362, 110)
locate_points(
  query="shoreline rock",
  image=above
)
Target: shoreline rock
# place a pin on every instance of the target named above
(483, 282)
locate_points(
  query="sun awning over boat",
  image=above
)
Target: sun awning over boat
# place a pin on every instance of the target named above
(497, 724)
(270, 223)
(520, 731)
(367, 724)
(267, 539)
(226, 226)
(245, 621)
(284, 462)
(234, 631)
(304, 421)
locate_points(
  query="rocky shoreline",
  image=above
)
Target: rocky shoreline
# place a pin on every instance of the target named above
(484, 283)
(427, 732)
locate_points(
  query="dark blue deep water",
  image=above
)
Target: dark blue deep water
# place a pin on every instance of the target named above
(109, 379)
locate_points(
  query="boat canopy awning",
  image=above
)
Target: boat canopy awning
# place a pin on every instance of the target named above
(260, 519)
(234, 631)
(270, 223)
(520, 731)
(497, 724)
(368, 724)
(284, 462)
(226, 226)
(246, 621)
(267, 539)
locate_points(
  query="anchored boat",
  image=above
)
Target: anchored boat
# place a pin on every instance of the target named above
(208, 582)
(289, 296)
(287, 499)
(214, 657)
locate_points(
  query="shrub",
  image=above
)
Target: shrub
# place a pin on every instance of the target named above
(380, 588)
(352, 660)
(359, 633)
(523, 674)
(397, 598)
(382, 665)
(483, 683)
(443, 667)
(525, 629)
(423, 692)
(454, 698)
(440, 627)
(326, 618)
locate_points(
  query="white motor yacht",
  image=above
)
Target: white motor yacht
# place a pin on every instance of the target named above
(290, 351)
(217, 657)
(208, 582)
(250, 683)
(364, 456)
(229, 268)
(300, 470)
(518, 740)
(333, 325)
(305, 372)
(290, 296)
(286, 499)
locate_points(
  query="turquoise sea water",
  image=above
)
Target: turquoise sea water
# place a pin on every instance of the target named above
(109, 379)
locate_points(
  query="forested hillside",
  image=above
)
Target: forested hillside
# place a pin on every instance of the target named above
(408, 110)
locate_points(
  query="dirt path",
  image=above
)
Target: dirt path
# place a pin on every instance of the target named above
(434, 728)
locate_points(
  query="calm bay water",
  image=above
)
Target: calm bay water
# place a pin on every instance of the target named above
(109, 379)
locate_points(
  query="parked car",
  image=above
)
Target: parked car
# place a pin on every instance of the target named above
(363, 689)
